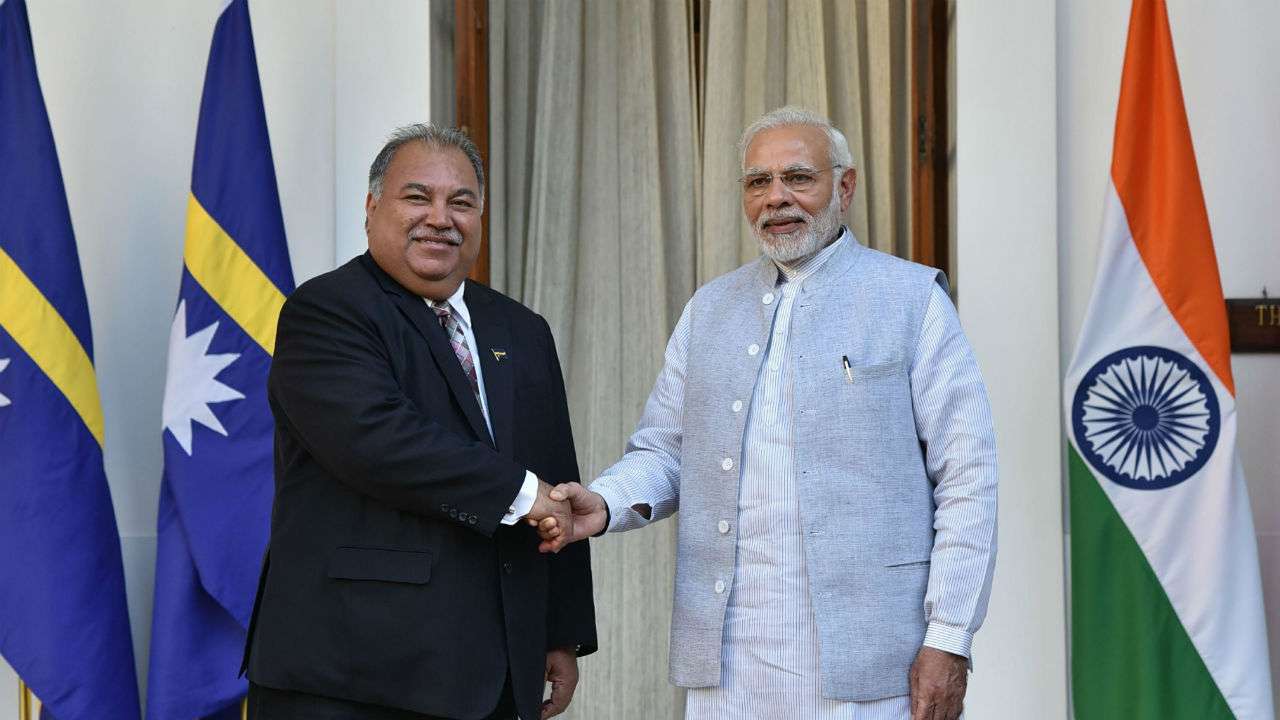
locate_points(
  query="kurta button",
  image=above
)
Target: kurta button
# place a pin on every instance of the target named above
(472, 520)
(506, 568)
(727, 464)
(723, 526)
(768, 298)
(753, 349)
(719, 586)
(737, 406)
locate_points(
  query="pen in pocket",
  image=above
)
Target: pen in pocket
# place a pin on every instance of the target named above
(848, 371)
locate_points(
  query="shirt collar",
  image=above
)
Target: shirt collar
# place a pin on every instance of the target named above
(801, 271)
(458, 304)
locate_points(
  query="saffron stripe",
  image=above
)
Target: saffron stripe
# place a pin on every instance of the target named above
(231, 277)
(28, 316)
(1155, 175)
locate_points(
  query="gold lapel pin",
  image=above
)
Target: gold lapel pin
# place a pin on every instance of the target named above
(499, 355)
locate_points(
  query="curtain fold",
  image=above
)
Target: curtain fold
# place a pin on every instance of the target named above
(846, 59)
(593, 167)
(612, 194)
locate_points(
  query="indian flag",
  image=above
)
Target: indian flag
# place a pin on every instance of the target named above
(1166, 599)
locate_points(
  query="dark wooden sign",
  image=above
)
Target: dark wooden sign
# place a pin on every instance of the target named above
(1255, 324)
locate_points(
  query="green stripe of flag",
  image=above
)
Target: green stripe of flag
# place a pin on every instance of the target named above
(1131, 657)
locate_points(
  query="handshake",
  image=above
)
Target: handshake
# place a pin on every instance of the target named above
(565, 514)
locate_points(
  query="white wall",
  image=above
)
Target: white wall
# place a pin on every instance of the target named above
(380, 83)
(1006, 238)
(1226, 58)
(122, 82)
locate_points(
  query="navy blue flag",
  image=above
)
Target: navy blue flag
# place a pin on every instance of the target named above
(215, 498)
(64, 625)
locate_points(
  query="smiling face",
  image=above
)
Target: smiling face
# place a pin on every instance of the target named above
(794, 223)
(425, 229)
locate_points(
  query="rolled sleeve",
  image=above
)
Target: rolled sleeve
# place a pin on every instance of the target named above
(948, 639)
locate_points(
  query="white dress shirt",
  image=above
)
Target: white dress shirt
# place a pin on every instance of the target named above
(529, 489)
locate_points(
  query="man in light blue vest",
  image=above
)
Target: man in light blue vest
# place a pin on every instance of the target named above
(821, 423)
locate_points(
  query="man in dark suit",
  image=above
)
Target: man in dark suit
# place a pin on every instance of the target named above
(419, 417)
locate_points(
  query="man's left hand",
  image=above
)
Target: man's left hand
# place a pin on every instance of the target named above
(938, 681)
(562, 673)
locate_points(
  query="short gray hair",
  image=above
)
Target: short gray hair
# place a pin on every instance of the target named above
(435, 137)
(792, 115)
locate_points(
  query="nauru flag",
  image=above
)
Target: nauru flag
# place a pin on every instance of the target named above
(1166, 599)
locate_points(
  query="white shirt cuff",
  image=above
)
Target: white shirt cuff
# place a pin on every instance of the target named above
(524, 501)
(621, 516)
(949, 639)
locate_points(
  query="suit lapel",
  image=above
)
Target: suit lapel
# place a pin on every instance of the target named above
(423, 319)
(493, 342)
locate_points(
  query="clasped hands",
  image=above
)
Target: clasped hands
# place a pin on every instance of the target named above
(565, 514)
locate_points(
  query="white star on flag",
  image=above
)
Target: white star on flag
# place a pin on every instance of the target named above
(4, 363)
(191, 384)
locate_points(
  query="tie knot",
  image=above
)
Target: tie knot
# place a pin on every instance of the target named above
(442, 309)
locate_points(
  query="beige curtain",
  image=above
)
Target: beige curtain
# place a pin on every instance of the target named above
(846, 59)
(605, 209)
(593, 165)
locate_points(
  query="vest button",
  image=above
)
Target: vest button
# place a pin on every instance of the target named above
(727, 463)
(737, 406)
(752, 349)
(719, 586)
(768, 298)
(723, 527)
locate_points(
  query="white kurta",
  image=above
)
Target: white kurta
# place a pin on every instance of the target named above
(770, 655)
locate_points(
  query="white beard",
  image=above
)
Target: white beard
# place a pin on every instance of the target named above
(803, 242)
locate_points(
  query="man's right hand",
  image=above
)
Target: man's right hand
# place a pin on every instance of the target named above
(556, 513)
(589, 514)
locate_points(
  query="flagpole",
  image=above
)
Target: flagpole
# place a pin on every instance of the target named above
(24, 701)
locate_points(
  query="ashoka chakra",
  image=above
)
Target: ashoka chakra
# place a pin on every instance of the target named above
(1146, 417)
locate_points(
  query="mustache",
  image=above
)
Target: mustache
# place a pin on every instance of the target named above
(788, 215)
(451, 236)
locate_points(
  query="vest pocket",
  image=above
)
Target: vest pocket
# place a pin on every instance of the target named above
(910, 564)
(879, 370)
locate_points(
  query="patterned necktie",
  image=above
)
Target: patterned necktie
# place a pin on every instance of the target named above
(458, 340)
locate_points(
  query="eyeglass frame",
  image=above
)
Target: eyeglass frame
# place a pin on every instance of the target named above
(793, 169)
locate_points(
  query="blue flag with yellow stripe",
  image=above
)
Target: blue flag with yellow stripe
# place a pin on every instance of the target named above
(64, 626)
(215, 498)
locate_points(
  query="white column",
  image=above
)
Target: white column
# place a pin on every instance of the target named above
(1007, 263)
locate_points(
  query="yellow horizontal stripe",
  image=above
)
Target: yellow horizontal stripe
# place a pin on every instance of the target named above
(231, 277)
(41, 332)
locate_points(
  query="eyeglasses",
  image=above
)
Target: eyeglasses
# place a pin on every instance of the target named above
(796, 179)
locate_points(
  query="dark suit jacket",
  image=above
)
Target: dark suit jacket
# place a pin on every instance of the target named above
(389, 578)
